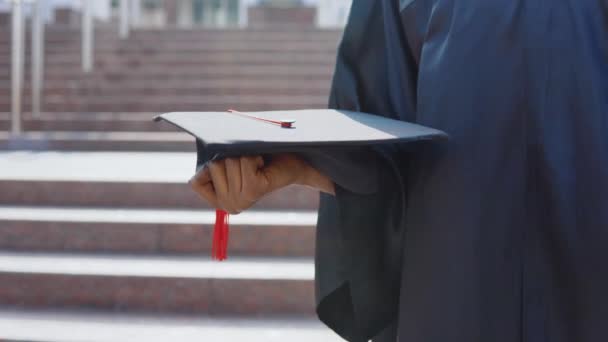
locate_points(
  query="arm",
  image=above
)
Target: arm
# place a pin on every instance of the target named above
(235, 184)
(315, 179)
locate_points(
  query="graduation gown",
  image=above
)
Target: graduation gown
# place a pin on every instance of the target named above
(500, 234)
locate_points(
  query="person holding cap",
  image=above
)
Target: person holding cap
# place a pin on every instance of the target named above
(499, 234)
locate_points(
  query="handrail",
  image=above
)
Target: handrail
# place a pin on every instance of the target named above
(17, 54)
(124, 19)
(87, 36)
(37, 56)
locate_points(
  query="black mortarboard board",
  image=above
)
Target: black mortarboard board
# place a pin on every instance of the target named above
(226, 134)
(233, 133)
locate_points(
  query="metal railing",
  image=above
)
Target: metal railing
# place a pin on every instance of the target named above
(18, 60)
(87, 36)
(37, 52)
(37, 56)
(17, 54)
(38, 11)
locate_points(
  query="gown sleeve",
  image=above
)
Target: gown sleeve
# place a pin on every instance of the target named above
(360, 233)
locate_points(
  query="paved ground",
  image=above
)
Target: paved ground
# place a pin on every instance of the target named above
(88, 327)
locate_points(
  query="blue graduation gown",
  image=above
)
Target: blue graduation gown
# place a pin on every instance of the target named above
(501, 234)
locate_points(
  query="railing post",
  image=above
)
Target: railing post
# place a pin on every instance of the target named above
(17, 54)
(124, 19)
(37, 56)
(87, 36)
(134, 13)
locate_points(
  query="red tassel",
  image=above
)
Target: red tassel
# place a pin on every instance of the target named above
(219, 250)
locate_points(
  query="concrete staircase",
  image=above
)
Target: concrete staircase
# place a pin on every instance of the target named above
(78, 235)
(159, 71)
(100, 237)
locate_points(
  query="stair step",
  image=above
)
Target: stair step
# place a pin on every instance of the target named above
(156, 267)
(174, 100)
(98, 141)
(117, 179)
(165, 107)
(185, 72)
(76, 326)
(96, 166)
(154, 231)
(203, 84)
(142, 107)
(192, 59)
(56, 34)
(105, 122)
(186, 57)
(143, 91)
(158, 104)
(263, 287)
(202, 46)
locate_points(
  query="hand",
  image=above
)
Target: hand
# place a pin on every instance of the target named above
(235, 184)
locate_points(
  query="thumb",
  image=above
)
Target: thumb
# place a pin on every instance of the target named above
(282, 170)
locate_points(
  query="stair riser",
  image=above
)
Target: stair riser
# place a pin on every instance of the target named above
(206, 84)
(152, 50)
(184, 99)
(167, 107)
(108, 122)
(139, 195)
(182, 239)
(184, 58)
(117, 79)
(158, 295)
(59, 93)
(92, 125)
(143, 37)
(248, 38)
(152, 43)
(195, 61)
(52, 36)
(199, 74)
(98, 145)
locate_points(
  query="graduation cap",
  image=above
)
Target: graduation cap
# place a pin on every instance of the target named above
(232, 134)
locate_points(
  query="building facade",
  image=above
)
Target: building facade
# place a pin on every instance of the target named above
(188, 13)
(198, 13)
(101, 9)
(333, 13)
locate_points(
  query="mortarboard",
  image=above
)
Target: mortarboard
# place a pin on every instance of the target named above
(232, 133)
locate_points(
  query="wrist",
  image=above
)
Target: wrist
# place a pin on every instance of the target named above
(311, 177)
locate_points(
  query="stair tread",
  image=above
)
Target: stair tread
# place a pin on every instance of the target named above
(156, 216)
(95, 135)
(79, 264)
(53, 326)
(154, 167)
(89, 116)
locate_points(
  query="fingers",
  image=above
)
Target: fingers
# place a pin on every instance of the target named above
(227, 180)
(217, 170)
(284, 169)
(254, 184)
(233, 172)
(233, 202)
(232, 184)
(202, 185)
